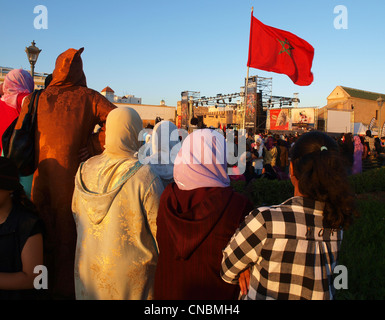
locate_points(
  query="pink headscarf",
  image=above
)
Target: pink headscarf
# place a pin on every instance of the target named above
(202, 161)
(358, 144)
(16, 81)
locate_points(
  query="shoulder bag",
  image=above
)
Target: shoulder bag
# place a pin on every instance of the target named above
(20, 145)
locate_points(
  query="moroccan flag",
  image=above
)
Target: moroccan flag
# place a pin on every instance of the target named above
(279, 51)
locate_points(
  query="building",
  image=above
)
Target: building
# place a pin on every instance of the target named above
(110, 95)
(148, 113)
(211, 116)
(39, 78)
(222, 116)
(360, 106)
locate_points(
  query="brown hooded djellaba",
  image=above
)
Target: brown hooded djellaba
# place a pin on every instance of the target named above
(67, 114)
(193, 228)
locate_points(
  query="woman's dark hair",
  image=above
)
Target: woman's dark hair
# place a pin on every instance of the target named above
(319, 169)
(19, 197)
(10, 181)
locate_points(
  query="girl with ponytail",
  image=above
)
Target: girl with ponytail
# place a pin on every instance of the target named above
(289, 251)
(318, 172)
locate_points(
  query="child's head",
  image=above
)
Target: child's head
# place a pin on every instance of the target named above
(319, 169)
(9, 177)
(9, 181)
(10, 187)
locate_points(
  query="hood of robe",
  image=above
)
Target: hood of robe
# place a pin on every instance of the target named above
(192, 215)
(69, 70)
(100, 178)
(97, 185)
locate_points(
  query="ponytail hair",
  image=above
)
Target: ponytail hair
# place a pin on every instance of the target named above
(319, 169)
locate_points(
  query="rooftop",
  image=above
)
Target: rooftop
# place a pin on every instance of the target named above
(367, 95)
(108, 89)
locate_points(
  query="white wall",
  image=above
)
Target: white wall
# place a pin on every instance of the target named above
(339, 121)
(148, 112)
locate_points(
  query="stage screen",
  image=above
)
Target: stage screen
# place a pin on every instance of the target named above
(302, 118)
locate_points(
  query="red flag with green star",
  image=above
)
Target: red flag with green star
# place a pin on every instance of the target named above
(279, 51)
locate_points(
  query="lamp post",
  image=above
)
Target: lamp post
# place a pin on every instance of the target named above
(32, 53)
(380, 102)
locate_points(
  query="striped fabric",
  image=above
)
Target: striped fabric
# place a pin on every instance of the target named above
(290, 251)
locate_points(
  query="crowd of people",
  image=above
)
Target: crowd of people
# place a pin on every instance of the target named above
(108, 226)
(268, 155)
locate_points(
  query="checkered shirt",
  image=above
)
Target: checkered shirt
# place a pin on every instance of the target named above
(291, 253)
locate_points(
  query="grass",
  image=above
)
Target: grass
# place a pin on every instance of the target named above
(363, 253)
(369, 181)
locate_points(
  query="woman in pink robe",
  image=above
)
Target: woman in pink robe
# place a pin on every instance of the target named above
(358, 150)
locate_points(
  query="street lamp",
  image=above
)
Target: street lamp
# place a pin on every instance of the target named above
(32, 53)
(380, 102)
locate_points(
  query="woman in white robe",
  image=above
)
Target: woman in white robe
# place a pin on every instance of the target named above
(165, 146)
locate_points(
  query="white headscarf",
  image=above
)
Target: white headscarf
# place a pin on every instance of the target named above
(165, 146)
(123, 126)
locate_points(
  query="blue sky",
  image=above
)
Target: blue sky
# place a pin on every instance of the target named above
(157, 49)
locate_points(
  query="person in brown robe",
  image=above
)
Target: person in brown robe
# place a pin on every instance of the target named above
(67, 114)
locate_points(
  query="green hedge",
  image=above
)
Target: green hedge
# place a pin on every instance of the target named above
(271, 192)
(369, 181)
(363, 246)
(363, 253)
(263, 192)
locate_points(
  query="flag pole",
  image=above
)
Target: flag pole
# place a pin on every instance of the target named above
(247, 79)
(245, 102)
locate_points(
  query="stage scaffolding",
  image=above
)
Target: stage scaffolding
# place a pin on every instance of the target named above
(260, 88)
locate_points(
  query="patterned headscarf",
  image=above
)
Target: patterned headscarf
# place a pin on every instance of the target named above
(16, 81)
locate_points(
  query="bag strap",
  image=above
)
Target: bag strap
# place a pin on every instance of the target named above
(30, 106)
(36, 98)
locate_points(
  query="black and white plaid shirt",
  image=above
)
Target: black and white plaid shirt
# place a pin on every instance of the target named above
(291, 253)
